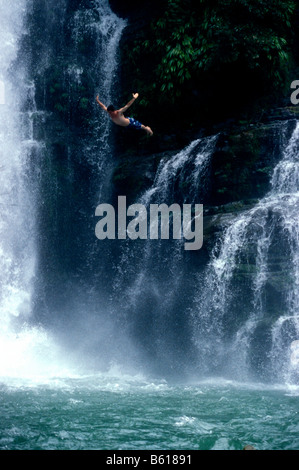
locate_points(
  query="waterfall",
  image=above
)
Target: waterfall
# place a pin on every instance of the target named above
(236, 316)
(43, 162)
(188, 168)
(246, 317)
(12, 177)
(17, 215)
(285, 192)
(156, 277)
(73, 289)
(105, 29)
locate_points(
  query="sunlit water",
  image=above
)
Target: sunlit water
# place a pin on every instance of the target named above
(122, 412)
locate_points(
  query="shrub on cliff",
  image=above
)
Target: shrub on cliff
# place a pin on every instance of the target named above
(209, 52)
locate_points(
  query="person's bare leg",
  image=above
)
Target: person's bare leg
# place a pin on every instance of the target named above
(147, 129)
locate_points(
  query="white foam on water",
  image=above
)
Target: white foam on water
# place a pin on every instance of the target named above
(29, 355)
(35, 362)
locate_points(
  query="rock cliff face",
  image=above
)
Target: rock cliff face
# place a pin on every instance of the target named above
(241, 165)
(246, 153)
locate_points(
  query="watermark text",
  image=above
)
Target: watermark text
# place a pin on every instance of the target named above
(295, 94)
(154, 222)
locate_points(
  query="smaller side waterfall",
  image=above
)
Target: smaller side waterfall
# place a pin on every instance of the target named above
(247, 311)
(157, 277)
(171, 175)
(187, 169)
(285, 331)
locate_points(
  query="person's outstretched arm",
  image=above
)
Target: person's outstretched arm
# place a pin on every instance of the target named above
(124, 109)
(101, 104)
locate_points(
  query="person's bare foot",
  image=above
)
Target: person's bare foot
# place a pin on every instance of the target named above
(149, 131)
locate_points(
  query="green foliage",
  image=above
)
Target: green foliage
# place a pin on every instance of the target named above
(197, 39)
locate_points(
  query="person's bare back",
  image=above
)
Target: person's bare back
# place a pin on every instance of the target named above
(117, 116)
(119, 119)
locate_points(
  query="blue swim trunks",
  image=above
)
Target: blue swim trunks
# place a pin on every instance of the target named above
(134, 124)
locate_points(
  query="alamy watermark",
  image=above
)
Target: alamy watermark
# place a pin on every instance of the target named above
(153, 222)
(295, 94)
(2, 92)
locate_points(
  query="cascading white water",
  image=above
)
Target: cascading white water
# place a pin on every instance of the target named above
(27, 350)
(14, 236)
(187, 168)
(285, 192)
(17, 223)
(245, 250)
(153, 275)
(106, 27)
